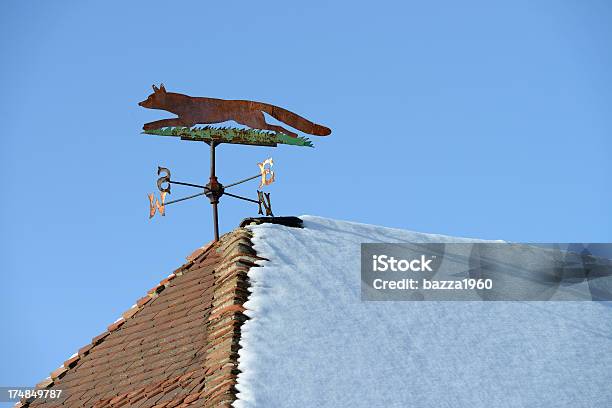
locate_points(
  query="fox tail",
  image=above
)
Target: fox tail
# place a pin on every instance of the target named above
(293, 120)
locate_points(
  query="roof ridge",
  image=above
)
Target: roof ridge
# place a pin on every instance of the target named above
(199, 254)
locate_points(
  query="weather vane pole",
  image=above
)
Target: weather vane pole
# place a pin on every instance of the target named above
(215, 191)
(199, 110)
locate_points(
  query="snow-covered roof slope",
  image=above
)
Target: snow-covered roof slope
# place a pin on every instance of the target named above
(312, 342)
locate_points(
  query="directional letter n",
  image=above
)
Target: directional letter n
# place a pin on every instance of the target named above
(264, 199)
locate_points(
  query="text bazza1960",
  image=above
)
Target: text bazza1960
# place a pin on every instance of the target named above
(193, 111)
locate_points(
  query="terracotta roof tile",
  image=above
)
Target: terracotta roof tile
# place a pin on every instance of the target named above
(143, 300)
(99, 338)
(116, 325)
(84, 350)
(200, 251)
(58, 372)
(177, 346)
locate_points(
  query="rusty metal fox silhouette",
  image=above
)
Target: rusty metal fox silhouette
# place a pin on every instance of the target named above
(199, 110)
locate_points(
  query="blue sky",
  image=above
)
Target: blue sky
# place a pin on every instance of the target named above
(477, 118)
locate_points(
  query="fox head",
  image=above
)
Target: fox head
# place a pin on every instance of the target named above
(157, 100)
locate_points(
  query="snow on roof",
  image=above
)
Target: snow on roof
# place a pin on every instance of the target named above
(311, 341)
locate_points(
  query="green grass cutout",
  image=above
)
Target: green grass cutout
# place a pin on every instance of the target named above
(231, 135)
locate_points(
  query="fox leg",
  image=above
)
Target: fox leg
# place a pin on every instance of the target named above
(280, 129)
(257, 120)
(167, 122)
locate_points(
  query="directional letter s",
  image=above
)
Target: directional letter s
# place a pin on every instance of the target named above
(163, 179)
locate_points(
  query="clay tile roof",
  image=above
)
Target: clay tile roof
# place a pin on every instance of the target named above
(176, 347)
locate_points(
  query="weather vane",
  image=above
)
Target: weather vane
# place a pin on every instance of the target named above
(192, 111)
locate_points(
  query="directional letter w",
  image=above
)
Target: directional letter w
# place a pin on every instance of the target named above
(153, 206)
